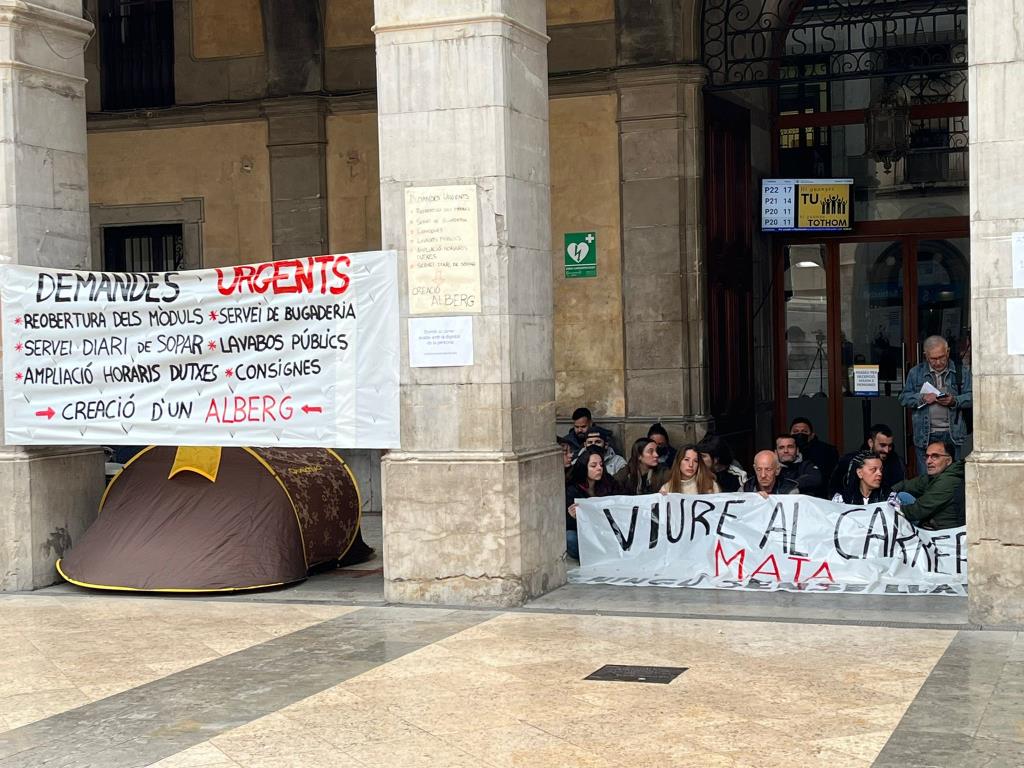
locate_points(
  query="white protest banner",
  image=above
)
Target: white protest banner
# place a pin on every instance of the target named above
(743, 541)
(298, 352)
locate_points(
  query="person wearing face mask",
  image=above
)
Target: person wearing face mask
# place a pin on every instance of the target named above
(865, 484)
(613, 463)
(823, 455)
(643, 472)
(795, 467)
(587, 480)
(690, 475)
(666, 453)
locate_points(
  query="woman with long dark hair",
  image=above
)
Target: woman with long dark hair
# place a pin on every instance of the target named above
(864, 485)
(587, 480)
(643, 472)
(690, 474)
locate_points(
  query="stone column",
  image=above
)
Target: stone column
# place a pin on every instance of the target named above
(47, 495)
(297, 142)
(995, 518)
(661, 141)
(473, 510)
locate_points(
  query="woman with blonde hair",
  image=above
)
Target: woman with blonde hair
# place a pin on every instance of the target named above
(690, 474)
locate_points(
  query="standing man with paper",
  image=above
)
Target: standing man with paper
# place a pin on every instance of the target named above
(939, 393)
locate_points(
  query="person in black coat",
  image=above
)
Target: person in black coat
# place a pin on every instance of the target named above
(587, 480)
(865, 483)
(880, 441)
(795, 467)
(823, 455)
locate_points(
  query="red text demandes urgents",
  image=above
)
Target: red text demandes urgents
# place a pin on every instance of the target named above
(313, 274)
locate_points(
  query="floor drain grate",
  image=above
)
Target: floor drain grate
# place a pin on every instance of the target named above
(628, 674)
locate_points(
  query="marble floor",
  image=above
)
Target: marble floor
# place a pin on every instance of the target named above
(327, 675)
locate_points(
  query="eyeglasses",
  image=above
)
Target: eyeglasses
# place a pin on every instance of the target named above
(937, 456)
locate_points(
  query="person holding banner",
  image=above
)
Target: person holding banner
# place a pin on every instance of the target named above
(865, 483)
(643, 472)
(587, 480)
(766, 480)
(690, 474)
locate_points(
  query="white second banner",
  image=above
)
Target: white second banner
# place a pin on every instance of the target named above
(298, 352)
(744, 541)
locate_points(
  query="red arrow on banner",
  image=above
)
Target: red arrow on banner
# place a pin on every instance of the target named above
(312, 409)
(48, 413)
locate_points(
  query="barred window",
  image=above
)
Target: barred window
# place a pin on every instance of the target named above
(136, 53)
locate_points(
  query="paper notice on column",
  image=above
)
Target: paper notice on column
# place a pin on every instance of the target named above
(442, 250)
(437, 342)
(1015, 326)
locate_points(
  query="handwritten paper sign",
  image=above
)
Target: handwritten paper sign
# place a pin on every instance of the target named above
(299, 352)
(442, 250)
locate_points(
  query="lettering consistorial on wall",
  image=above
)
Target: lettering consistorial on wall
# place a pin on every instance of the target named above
(297, 352)
(760, 42)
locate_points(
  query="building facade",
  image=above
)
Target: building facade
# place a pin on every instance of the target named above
(202, 133)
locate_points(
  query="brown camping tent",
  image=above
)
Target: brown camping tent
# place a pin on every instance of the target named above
(217, 519)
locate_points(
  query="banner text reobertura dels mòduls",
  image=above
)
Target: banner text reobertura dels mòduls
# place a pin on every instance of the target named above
(298, 352)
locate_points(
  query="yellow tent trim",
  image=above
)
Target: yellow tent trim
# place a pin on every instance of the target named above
(359, 502)
(203, 460)
(167, 589)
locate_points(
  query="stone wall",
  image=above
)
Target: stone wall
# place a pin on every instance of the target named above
(353, 182)
(226, 165)
(995, 522)
(588, 311)
(226, 28)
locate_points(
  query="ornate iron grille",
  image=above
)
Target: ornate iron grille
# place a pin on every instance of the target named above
(747, 42)
(143, 248)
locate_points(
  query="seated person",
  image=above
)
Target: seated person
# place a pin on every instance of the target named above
(643, 472)
(865, 484)
(935, 500)
(568, 454)
(689, 474)
(717, 455)
(666, 453)
(613, 463)
(587, 480)
(881, 442)
(795, 467)
(766, 480)
(582, 423)
(821, 454)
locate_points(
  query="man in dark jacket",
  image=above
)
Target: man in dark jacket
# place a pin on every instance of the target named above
(880, 441)
(582, 423)
(823, 455)
(766, 480)
(795, 467)
(936, 500)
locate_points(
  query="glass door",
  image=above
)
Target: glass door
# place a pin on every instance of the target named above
(872, 332)
(806, 328)
(869, 301)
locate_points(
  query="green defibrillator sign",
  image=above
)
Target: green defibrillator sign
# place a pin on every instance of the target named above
(580, 254)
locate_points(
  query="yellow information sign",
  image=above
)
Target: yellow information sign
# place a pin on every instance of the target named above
(823, 206)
